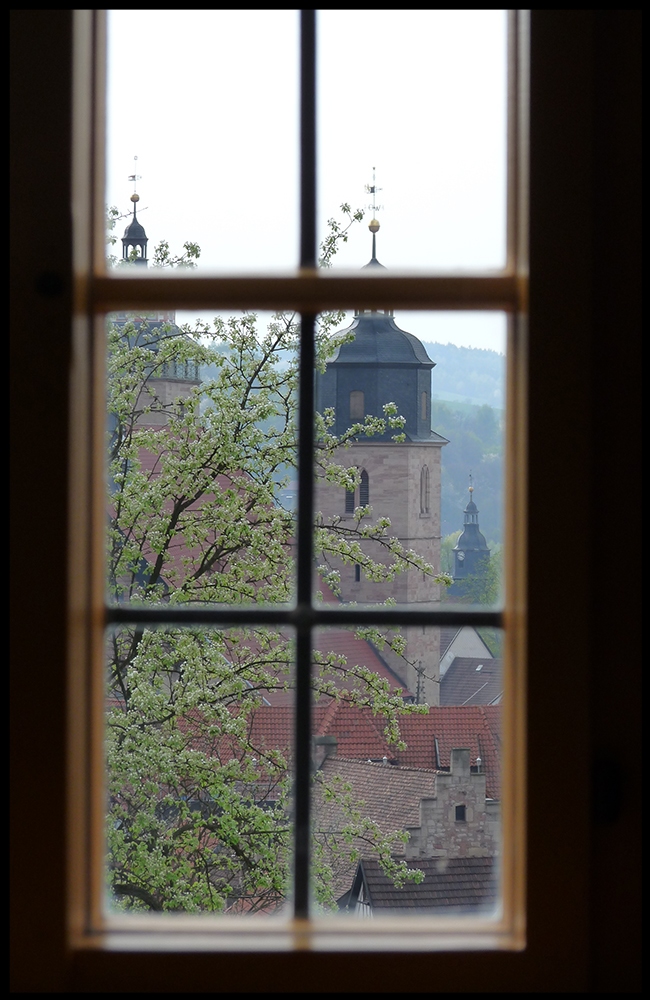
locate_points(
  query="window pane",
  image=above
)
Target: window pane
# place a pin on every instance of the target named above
(201, 459)
(420, 95)
(199, 726)
(409, 495)
(406, 791)
(207, 101)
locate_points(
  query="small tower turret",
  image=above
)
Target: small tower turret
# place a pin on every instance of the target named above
(135, 237)
(471, 553)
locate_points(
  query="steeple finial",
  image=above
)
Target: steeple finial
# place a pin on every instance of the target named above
(135, 177)
(373, 225)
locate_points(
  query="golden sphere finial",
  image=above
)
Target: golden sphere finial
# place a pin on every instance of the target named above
(373, 226)
(135, 197)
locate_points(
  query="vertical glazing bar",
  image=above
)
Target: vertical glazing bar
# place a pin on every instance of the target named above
(302, 743)
(308, 138)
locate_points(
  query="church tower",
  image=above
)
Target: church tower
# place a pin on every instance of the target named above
(471, 553)
(381, 363)
(176, 378)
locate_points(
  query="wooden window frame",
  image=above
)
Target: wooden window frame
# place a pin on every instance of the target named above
(309, 292)
(52, 686)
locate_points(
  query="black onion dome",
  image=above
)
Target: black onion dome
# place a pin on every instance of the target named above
(379, 341)
(134, 231)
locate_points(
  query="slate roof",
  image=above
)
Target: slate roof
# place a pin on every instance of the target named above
(449, 633)
(378, 340)
(447, 636)
(452, 884)
(471, 680)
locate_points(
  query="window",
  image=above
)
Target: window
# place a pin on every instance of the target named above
(425, 490)
(357, 408)
(364, 489)
(460, 814)
(308, 619)
(43, 43)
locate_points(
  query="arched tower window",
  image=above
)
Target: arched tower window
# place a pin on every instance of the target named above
(425, 490)
(357, 405)
(364, 489)
(349, 501)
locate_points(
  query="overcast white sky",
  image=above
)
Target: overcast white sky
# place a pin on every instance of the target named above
(208, 102)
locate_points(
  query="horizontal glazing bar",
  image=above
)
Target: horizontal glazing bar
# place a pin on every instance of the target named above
(310, 617)
(309, 291)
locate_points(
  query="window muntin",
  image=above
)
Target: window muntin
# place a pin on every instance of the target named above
(205, 294)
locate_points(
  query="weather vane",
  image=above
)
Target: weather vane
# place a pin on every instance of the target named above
(135, 178)
(373, 189)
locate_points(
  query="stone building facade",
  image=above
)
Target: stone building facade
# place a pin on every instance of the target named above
(459, 821)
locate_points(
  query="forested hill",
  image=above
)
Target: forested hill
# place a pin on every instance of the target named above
(467, 374)
(467, 388)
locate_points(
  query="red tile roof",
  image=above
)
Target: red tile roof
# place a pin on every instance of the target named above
(389, 796)
(477, 727)
(360, 736)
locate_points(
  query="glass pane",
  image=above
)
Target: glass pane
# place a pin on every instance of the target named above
(201, 452)
(199, 726)
(420, 97)
(409, 463)
(207, 101)
(407, 798)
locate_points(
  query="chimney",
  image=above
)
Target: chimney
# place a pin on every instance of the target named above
(324, 747)
(460, 762)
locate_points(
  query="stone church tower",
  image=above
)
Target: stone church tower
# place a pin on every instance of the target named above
(401, 481)
(174, 380)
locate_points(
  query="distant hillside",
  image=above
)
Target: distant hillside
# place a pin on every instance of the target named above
(475, 435)
(467, 374)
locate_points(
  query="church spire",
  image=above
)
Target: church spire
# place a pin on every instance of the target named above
(135, 238)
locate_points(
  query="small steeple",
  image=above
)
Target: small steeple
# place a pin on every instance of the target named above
(471, 552)
(135, 237)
